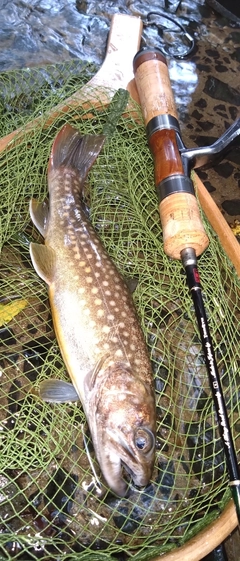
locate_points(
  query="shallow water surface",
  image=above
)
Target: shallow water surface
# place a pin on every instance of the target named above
(205, 85)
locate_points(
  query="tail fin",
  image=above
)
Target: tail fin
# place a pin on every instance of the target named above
(74, 151)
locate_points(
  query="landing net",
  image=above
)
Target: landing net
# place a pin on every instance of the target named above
(50, 504)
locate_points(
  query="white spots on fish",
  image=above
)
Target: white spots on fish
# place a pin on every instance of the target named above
(95, 290)
(98, 302)
(110, 317)
(72, 235)
(119, 353)
(114, 339)
(77, 229)
(106, 329)
(100, 313)
(65, 214)
(137, 361)
(81, 290)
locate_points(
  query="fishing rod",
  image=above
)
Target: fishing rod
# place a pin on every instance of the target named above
(184, 236)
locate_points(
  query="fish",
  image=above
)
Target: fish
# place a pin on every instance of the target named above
(95, 321)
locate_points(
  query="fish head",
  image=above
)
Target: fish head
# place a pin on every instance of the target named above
(122, 421)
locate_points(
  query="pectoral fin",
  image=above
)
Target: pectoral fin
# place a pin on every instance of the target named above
(43, 259)
(57, 391)
(90, 378)
(39, 214)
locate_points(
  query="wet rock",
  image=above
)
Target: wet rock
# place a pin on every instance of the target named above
(232, 206)
(224, 170)
(201, 103)
(217, 89)
(60, 494)
(206, 452)
(7, 336)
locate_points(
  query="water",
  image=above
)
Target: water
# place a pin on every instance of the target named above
(205, 85)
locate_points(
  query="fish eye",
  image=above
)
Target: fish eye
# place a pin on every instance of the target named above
(144, 440)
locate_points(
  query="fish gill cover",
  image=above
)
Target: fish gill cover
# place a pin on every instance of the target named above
(53, 501)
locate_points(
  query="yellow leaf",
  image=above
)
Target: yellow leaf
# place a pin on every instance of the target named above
(8, 311)
(235, 227)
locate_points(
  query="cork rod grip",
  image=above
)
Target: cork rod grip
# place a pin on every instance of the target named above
(153, 84)
(178, 208)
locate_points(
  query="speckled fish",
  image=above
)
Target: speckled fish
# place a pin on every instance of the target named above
(95, 321)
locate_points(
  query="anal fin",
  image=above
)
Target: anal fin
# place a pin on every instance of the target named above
(90, 378)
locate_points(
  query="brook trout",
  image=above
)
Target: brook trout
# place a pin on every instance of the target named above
(94, 319)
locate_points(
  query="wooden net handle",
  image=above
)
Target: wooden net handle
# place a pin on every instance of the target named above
(179, 213)
(218, 223)
(116, 72)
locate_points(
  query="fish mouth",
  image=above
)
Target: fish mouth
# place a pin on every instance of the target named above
(113, 475)
(139, 477)
(123, 458)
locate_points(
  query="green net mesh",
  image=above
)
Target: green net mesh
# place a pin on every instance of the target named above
(50, 503)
